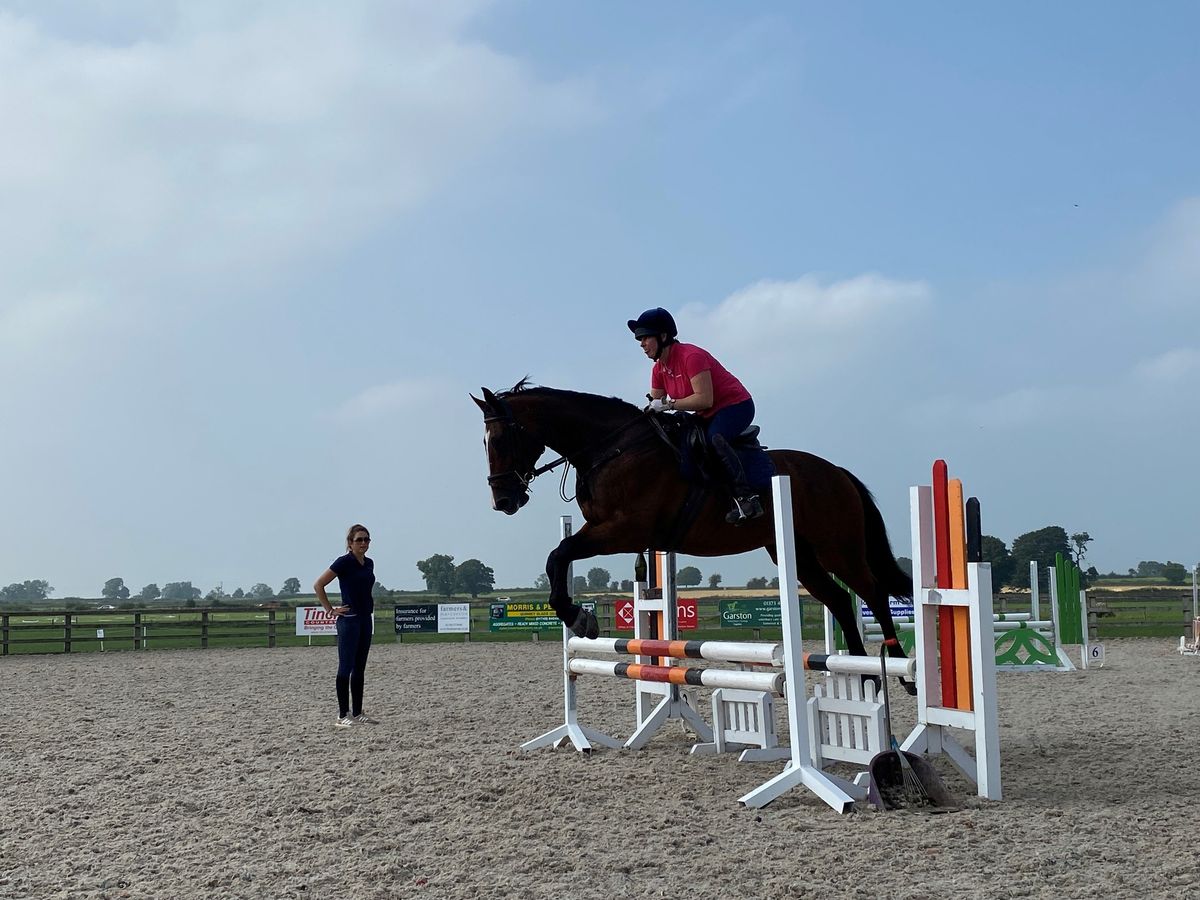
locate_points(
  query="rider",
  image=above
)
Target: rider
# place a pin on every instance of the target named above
(688, 378)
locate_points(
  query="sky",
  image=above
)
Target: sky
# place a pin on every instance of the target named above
(258, 255)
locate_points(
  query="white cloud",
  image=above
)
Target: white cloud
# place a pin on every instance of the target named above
(44, 321)
(1170, 367)
(388, 400)
(776, 328)
(1170, 273)
(232, 139)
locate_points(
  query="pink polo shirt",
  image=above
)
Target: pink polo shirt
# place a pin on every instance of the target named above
(688, 361)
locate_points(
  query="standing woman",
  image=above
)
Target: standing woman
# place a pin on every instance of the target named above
(355, 572)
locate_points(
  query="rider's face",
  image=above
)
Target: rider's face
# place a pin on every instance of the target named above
(649, 345)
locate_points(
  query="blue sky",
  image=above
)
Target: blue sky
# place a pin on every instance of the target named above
(258, 254)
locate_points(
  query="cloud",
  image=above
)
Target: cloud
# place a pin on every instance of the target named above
(383, 401)
(778, 327)
(1170, 272)
(1170, 367)
(44, 321)
(225, 141)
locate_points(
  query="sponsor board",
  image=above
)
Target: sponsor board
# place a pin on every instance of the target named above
(687, 615)
(529, 615)
(313, 621)
(753, 612)
(433, 618)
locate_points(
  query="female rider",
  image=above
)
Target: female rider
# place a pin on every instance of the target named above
(686, 377)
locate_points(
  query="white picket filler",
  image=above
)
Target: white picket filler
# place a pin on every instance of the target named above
(837, 792)
(580, 736)
(932, 735)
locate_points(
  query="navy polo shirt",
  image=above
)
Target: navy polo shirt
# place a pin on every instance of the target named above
(355, 582)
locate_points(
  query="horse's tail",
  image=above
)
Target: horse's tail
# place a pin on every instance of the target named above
(880, 559)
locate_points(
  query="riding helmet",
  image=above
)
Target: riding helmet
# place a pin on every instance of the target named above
(653, 322)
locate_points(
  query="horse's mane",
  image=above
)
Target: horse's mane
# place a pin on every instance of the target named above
(610, 405)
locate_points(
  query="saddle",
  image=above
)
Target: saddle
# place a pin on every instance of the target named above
(698, 462)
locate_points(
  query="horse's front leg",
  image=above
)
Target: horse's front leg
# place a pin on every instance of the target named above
(558, 564)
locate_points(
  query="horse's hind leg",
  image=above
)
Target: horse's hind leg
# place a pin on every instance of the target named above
(878, 602)
(831, 595)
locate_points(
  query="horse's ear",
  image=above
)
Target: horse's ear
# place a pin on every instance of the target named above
(483, 406)
(489, 397)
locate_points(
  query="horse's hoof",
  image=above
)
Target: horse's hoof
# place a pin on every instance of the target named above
(586, 625)
(910, 687)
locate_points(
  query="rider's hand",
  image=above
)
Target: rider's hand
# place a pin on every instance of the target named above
(656, 405)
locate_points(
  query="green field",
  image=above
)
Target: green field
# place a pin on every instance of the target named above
(1129, 613)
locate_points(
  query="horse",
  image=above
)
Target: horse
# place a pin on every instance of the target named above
(629, 488)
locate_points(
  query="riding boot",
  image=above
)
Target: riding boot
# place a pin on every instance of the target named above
(746, 504)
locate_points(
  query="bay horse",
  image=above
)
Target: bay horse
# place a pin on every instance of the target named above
(630, 491)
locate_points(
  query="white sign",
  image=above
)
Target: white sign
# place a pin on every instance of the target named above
(1096, 653)
(454, 618)
(313, 620)
(99, 634)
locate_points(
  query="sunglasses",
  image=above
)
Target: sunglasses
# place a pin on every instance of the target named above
(361, 540)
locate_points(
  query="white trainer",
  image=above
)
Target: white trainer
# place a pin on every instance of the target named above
(344, 722)
(364, 719)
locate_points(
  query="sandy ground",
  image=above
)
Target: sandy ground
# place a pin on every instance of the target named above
(218, 774)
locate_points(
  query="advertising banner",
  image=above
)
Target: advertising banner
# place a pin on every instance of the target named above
(433, 618)
(752, 612)
(314, 621)
(687, 616)
(529, 615)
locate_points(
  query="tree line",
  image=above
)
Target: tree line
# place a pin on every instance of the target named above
(1010, 567)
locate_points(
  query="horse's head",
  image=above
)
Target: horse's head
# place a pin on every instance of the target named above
(512, 453)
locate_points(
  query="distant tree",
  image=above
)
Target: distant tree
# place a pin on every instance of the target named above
(379, 592)
(1174, 572)
(291, 587)
(149, 592)
(35, 591)
(114, 589)
(688, 576)
(541, 583)
(598, 579)
(996, 552)
(1080, 540)
(714, 580)
(627, 586)
(216, 596)
(238, 594)
(1039, 546)
(180, 590)
(260, 592)
(473, 577)
(578, 585)
(438, 572)
(905, 565)
(191, 603)
(1150, 568)
(757, 584)
(774, 583)
(613, 586)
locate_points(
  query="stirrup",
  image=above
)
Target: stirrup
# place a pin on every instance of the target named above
(744, 509)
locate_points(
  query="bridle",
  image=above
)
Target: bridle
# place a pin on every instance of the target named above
(503, 415)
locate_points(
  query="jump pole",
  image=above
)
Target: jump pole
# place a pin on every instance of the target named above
(580, 736)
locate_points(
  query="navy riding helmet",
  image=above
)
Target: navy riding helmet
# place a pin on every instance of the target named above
(654, 322)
